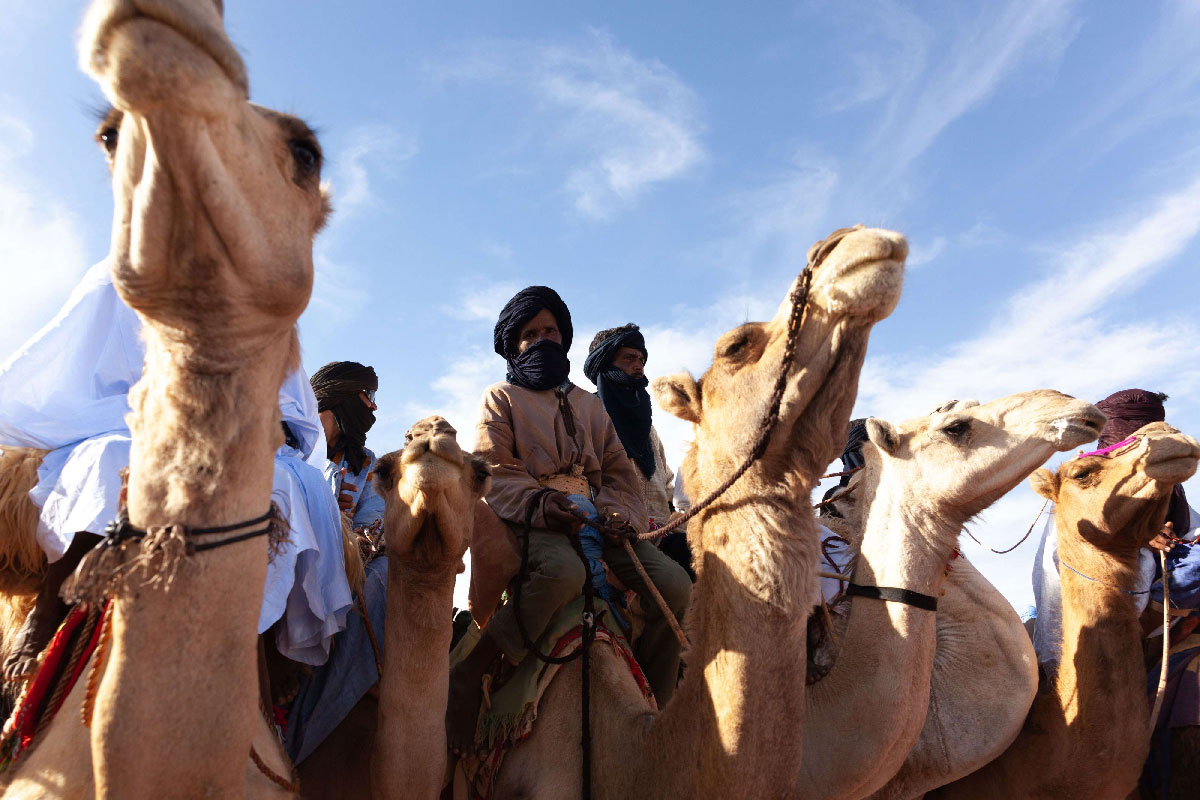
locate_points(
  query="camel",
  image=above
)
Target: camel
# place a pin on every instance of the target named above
(395, 746)
(1087, 736)
(923, 480)
(732, 727)
(217, 202)
(22, 561)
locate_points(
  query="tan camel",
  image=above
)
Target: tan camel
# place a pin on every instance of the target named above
(22, 561)
(923, 480)
(216, 206)
(732, 728)
(1087, 737)
(395, 746)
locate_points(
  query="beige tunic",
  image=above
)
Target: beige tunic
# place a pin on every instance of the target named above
(522, 434)
(659, 488)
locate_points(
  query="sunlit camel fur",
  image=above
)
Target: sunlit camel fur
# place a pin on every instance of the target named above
(1087, 735)
(217, 202)
(733, 727)
(395, 746)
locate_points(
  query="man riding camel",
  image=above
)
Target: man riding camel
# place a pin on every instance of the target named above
(345, 393)
(558, 461)
(616, 363)
(66, 391)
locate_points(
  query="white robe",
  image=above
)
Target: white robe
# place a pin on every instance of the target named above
(66, 390)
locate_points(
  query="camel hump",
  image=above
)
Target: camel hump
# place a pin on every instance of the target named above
(21, 556)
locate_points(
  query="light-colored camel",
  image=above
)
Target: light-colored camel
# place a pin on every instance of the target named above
(923, 480)
(395, 746)
(1087, 736)
(984, 678)
(217, 202)
(733, 726)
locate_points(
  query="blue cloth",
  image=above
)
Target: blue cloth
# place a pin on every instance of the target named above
(334, 688)
(1183, 564)
(593, 546)
(67, 390)
(368, 504)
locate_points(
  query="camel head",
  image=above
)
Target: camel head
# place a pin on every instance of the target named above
(430, 489)
(217, 200)
(1117, 500)
(962, 458)
(855, 283)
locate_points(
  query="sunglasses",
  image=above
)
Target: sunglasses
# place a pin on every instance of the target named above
(369, 394)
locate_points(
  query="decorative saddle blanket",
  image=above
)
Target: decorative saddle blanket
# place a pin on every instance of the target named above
(508, 714)
(61, 665)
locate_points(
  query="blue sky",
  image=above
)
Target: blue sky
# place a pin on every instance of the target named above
(669, 164)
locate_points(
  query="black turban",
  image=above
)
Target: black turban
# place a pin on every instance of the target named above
(337, 386)
(523, 307)
(852, 457)
(544, 364)
(605, 346)
(624, 396)
(1128, 411)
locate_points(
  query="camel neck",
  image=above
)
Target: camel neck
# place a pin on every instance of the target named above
(202, 450)
(1104, 708)
(414, 687)
(747, 625)
(886, 650)
(203, 442)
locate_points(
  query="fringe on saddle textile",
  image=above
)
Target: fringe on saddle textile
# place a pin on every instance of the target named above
(61, 665)
(514, 706)
(109, 568)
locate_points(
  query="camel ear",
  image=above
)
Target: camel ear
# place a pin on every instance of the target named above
(679, 395)
(386, 469)
(883, 435)
(1045, 483)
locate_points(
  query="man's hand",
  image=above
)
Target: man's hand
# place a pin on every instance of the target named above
(561, 514)
(616, 529)
(1165, 540)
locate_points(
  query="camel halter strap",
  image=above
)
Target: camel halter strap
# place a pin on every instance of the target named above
(160, 551)
(119, 531)
(892, 594)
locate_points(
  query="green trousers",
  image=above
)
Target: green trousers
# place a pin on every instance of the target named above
(555, 577)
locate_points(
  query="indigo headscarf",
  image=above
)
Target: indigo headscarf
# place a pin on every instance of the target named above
(544, 364)
(1128, 411)
(337, 385)
(624, 396)
(852, 457)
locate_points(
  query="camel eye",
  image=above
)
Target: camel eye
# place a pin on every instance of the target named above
(958, 429)
(107, 137)
(306, 155)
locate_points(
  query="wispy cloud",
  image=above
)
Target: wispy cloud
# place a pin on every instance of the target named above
(894, 52)
(370, 152)
(630, 123)
(1064, 330)
(981, 55)
(41, 242)
(481, 302)
(1162, 85)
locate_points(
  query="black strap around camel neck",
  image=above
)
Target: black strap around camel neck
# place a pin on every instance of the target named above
(893, 595)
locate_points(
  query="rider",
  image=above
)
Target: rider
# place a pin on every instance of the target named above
(345, 393)
(616, 363)
(66, 391)
(540, 433)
